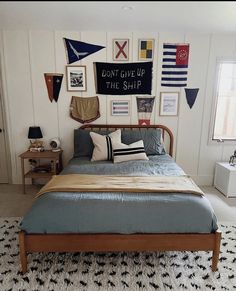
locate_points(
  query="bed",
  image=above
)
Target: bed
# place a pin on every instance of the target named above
(117, 221)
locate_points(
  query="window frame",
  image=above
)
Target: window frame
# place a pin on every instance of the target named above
(211, 141)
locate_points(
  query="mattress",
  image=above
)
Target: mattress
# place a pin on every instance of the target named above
(123, 213)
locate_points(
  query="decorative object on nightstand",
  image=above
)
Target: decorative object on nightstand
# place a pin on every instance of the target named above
(225, 179)
(55, 144)
(41, 170)
(35, 133)
(232, 159)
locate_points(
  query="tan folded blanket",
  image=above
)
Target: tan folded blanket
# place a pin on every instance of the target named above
(107, 183)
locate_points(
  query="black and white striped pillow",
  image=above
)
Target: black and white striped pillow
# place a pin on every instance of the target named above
(123, 152)
(103, 145)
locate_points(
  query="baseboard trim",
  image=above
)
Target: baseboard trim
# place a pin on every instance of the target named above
(203, 180)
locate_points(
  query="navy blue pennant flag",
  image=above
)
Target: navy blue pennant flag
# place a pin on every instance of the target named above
(191, 95)
(77, 50)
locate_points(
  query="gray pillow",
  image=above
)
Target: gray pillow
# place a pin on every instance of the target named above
(151, 138)
(83, 144)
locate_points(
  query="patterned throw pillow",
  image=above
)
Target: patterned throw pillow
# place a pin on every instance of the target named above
(123, 152)
(103, 145)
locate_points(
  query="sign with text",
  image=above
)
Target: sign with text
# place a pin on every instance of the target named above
(123, 79)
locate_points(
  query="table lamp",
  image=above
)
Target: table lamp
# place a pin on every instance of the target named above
(35, 133)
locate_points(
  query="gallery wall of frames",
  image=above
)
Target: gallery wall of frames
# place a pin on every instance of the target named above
(43, 70)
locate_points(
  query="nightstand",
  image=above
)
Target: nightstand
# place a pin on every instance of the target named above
(54, 157)
(225, 179)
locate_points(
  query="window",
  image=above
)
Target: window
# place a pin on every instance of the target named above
(224, 128)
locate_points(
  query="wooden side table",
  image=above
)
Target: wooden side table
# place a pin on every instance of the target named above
(56, 160)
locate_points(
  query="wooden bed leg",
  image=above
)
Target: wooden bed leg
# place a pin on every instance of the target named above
(23, 253)
(216, 251)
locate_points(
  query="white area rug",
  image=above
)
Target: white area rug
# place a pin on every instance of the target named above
(116, 271)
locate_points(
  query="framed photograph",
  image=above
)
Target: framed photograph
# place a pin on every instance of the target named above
(120, 107)
(169, 103)
(145, 49)
(76, 78)
(120, 49)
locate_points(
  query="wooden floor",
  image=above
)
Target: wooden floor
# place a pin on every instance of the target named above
(12, 202)
(15, 204)
(225, 208)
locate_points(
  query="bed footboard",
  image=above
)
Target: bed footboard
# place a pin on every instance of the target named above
(118, 242)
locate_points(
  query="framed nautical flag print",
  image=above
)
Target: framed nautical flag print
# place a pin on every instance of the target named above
(175, 65)
(120, 107)
(145, 49)
(120, 49)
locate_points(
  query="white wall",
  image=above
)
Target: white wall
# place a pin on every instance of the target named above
(26, 55)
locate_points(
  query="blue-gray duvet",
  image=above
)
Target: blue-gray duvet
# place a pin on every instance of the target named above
(126, 213)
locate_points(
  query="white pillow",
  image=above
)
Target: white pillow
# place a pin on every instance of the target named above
(103, 145)
(123, 152)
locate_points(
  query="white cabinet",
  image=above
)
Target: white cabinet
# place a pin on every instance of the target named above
(225, 179)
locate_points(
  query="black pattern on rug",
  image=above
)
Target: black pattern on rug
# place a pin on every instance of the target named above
(116, 271)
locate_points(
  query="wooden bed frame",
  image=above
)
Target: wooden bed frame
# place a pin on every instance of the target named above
(29, 243)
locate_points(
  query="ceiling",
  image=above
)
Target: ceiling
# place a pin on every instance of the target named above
(190, 16)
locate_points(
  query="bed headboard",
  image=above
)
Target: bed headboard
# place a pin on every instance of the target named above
(166, 132)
